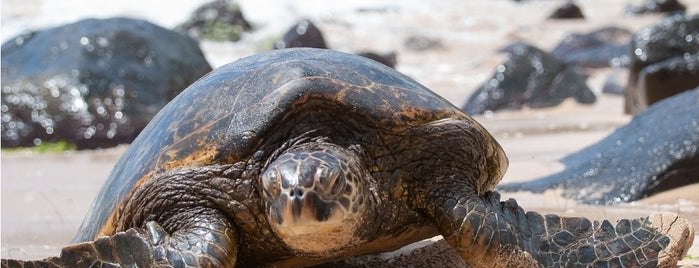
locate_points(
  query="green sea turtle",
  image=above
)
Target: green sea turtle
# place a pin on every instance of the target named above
(298, 157)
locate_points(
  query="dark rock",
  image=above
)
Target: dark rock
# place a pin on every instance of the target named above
(569, 10)
(509, 49)
(93, 83)
(532, 78)
(615, 83)
(656, 6)
(306, 34)
(420, 43)
(379, 9)
(220, 20)
(601, 48)
(655, 152)
(388, 59)
(303, 34)
(667, 78)
(674, 37)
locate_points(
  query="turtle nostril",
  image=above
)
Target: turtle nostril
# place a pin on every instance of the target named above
(296, 192)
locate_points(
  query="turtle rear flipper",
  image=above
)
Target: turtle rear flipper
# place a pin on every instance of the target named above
(486, 231)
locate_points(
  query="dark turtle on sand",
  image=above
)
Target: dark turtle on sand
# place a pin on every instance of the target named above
(303, 156)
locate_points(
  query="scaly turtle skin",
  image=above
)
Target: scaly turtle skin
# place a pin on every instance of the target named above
(303, 156)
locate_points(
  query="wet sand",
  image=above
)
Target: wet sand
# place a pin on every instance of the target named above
(45, 196)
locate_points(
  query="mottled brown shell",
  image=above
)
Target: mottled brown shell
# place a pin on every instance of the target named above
(227, 114)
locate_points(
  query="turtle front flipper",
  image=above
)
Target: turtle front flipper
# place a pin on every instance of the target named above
(205, 245)
(48, 262)
(487, 231)
(182, 218)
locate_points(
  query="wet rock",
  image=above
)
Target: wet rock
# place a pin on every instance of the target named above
(379, 9)
(605, 47)
(655, 152)
(421, 43)
(656, 6)
(667, 78)
(532, 78)
(93, 83)
(220, 20)
(302, 34)
(569, 10)
(615, 83)
(306, 34)
(668, 50)
(389, 59)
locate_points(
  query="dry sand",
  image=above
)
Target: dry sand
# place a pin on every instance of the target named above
(44, 196)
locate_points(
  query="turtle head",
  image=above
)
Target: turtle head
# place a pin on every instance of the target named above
(316, 196)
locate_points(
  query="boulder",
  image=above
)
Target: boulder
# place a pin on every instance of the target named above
(220, 20)
(655, 152)
(531, 78)
(389, 59)
(662, 61)
(615, 83)
(422, 43)
(666, 78)
(306, 34)
(302, 34)
(93, 83)
(605, 47)
(568, 10)
(656, 6)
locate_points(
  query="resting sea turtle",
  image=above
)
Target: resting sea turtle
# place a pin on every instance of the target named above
(297, 157)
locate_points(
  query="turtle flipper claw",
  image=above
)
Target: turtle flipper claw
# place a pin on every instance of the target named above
(679, 231)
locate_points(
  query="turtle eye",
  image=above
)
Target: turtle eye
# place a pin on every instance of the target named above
(270, 182)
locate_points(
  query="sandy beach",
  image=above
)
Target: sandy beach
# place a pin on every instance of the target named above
(45, 196)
